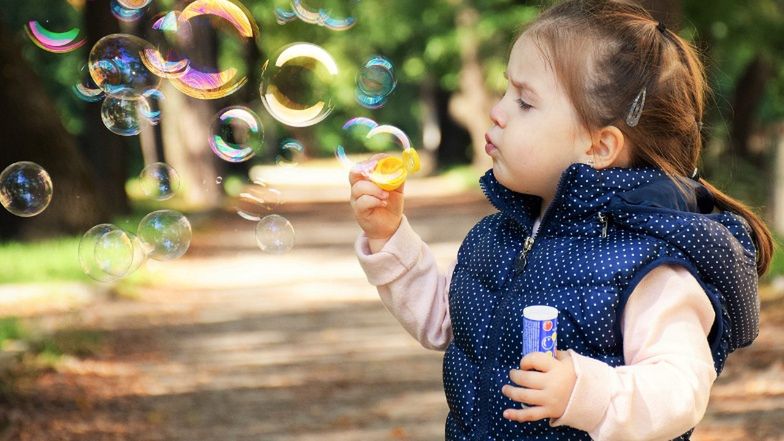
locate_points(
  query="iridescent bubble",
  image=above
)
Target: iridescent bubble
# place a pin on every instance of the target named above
(202, 84)
(166, 234)
(283, 16)
(219, 180)
(122, 13)
(166, 57)
(86, 89)
(159, 181)
(135, 4)
(236, 134)
(354, 136)
(121, 116)
(258, 200)
(296, 84)
(25, 189)
(337, 15)
(53, 41)
(275, 234)
(106, 252)
(375, 82)
(290, 153)
(116, 66)
(150, 106)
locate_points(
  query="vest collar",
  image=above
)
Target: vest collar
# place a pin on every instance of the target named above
(584, 191)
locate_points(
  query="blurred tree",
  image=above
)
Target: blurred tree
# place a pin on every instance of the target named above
(33, 131)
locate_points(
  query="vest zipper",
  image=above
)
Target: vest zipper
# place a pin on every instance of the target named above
(604, 220)
(522, 258)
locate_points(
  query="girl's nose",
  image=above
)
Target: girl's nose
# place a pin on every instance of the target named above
(497, 115)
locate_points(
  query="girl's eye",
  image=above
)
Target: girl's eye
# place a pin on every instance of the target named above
(523, 105)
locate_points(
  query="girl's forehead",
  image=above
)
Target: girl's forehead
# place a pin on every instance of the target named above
(527, 63)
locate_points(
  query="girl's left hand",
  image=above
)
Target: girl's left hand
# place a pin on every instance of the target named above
(547, 384)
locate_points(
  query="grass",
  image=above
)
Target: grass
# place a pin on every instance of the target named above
(44, 261)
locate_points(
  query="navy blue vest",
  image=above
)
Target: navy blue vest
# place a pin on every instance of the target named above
(602, 233)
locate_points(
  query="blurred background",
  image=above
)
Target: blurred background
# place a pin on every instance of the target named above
(232, 342)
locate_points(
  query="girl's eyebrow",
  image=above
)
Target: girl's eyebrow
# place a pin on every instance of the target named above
(522, 85)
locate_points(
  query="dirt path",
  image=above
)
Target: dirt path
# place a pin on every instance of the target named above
(237, 345)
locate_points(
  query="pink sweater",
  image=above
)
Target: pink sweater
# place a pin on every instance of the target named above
(661, 393)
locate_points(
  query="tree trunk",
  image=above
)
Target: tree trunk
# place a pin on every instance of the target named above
(107, 153)
(749, 93)
(32, 131)
(470, 106)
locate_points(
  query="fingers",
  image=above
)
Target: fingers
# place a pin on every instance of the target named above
(538, 361)
(529, 397)
(535, 413)
(367, 188)
(366, 203)
(360, 170)
(529, 379)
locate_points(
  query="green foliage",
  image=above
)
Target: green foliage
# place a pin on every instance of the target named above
(10, 329)
(51, 260)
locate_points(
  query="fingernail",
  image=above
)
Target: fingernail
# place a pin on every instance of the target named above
(384, 203)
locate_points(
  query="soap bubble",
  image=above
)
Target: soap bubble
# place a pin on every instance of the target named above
(375, 82)
(25, 189)
(219, 180)
(122, 13)
(296, 84)
(86, 89)
(116, 66)
(275, 234)
(51, 40)
(159, 181)
(258, 200)
(283, 15)
(337, 15)
(290, 153)
(135, 4)
(121, 116)
(166, 234)
(150, 106)
(107, 253)
(200, 82)
(165, 56)
(236, 134)
(353, 139)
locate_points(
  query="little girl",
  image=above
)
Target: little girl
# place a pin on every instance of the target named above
(601, 214)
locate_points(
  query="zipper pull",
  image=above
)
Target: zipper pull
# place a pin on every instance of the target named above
(522, 258)
(605, 222)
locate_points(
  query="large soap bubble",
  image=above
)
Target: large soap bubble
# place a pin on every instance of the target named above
(107, 253)
(53, 41)
(297, 83)
(116, 66)
(25, 189)
(166, 234)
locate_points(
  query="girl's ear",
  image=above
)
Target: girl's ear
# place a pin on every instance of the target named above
(609, 149)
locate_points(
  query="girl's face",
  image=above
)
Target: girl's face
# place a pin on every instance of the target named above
(536, 133)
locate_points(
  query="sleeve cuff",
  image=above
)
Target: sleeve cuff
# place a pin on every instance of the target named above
(591, 394)
(399, 254)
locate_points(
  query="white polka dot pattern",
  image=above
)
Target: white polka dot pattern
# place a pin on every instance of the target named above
(600, 236)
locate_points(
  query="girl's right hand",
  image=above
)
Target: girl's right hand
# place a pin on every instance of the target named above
(377, 212)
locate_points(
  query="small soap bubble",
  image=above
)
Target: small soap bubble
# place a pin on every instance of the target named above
(236, 134)
(166, 234)
(116, 66)
(159, 181)
(121, 116)
(296, 84)
(375, 82)
(58, 41)
(219, 180)
(107, 253)
(275, 234)
(150, 106)
(25, 189)
(283, 15)
(135, 4)
(337, 15)
(290, 153)
(258, 200)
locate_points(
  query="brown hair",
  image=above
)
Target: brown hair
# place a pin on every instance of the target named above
(604, 53)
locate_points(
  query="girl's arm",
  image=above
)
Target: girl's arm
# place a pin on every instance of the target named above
(663, 389)
(405, 273)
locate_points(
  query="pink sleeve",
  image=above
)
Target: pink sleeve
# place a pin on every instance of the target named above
(410, 286)
(663, 389)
